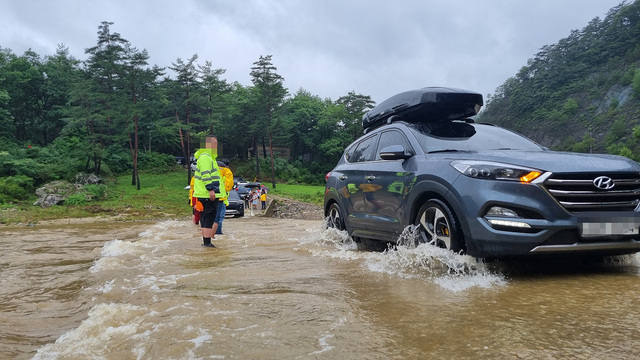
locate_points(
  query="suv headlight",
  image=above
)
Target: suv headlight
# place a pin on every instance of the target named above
(495, 170)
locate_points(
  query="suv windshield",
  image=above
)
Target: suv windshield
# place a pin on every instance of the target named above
(460, 136)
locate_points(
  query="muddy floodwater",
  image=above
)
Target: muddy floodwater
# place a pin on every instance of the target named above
(287, 289)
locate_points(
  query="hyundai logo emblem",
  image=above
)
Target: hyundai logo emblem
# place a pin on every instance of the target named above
(604, 182)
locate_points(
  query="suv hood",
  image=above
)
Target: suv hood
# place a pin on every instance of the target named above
(553, 161)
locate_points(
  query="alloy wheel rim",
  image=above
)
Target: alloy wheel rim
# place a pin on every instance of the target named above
(334, 218)
(435, 228)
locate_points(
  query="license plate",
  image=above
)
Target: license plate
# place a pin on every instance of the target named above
(609, 228)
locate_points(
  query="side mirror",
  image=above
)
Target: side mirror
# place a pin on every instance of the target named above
(394, 152)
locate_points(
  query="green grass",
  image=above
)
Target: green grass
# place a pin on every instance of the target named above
(160, 197)
(307, 193)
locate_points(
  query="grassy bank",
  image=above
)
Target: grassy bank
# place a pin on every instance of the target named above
(306, 193)
(160, 197)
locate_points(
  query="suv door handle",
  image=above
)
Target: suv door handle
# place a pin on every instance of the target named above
(342, 177)
(370, 177)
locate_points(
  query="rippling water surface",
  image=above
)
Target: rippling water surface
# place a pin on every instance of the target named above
(287, 289)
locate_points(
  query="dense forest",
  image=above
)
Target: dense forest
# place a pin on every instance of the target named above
(582, 93)
(115, 113)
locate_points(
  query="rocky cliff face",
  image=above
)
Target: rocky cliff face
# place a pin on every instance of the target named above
(594, 116)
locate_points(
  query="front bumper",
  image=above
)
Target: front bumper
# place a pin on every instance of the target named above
(235, 210)
(543, 227)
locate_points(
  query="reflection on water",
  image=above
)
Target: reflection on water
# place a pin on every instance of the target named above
(287, 289)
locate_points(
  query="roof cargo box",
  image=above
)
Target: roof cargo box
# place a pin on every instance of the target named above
(426, 104)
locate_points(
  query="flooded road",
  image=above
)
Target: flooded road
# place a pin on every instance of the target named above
(287, 289)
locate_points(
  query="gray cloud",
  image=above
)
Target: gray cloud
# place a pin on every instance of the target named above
(327, 47)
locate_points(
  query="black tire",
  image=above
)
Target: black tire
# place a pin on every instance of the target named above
(437, 225)
(334, 217)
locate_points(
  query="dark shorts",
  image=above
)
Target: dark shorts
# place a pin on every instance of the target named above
(209, 211)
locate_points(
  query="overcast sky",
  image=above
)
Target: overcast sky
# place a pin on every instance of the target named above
(327, 47)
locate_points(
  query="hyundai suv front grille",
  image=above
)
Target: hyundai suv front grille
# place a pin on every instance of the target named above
(580, 192)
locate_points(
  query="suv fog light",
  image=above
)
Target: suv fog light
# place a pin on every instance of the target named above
(501, 211)
(505, 213)
(509, 223)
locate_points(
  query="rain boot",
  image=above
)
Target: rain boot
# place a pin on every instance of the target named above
(207, 242)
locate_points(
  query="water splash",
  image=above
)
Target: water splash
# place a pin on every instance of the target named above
(407, 258)
(330, 236)
(104, 321)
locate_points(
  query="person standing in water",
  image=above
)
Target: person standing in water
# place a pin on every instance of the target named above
(207, 188)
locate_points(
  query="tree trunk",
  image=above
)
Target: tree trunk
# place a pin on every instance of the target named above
(255, 155)
(273, 173)
(188, 136)
(135, 179)
(99, 158)
(95, 162)
(264, 148)
(187, 158)
(135, 150)
(133, 171)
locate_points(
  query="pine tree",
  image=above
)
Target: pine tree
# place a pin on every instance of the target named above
(270, 93)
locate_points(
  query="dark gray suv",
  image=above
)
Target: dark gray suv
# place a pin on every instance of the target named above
(478, 188)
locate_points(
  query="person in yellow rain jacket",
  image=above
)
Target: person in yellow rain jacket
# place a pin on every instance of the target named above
(208, 187)
(195, 204)
(263, 198)
(227, 177)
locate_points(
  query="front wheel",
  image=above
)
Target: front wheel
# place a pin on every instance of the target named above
(437, 226)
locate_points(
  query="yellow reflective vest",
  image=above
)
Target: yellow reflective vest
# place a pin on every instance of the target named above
(207, 176)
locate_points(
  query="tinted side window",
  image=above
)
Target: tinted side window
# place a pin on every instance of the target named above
(349, 152)
(364, 151)
(393, 137)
